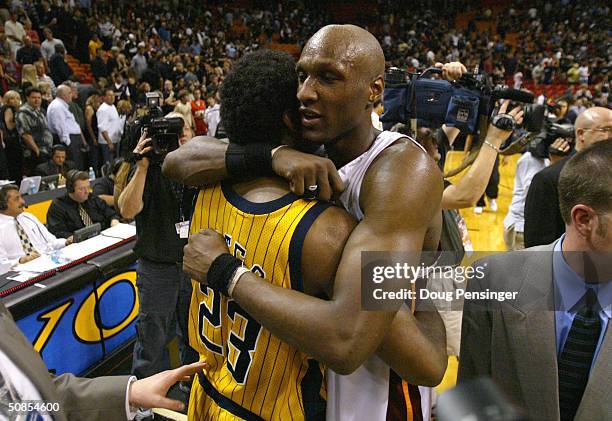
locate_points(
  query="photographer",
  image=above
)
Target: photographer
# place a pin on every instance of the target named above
(162, 209)
(543, 221)
(546, 148)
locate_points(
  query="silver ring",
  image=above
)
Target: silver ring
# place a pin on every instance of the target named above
(314, 187)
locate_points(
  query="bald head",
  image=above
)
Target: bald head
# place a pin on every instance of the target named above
(64, 92)
(350, 44)
(593, 125)
(593, 117)
(341, 72)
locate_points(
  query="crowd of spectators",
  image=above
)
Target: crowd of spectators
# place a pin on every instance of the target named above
(184, 50)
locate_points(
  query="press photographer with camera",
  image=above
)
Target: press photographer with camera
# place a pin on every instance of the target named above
(162, 209)
(543, 221)
(552, 144)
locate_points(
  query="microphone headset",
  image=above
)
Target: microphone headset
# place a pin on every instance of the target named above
(71, 177)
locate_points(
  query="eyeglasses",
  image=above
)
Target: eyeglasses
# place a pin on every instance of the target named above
(600, 129)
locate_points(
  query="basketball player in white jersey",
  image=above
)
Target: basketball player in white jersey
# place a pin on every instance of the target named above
(393, 188)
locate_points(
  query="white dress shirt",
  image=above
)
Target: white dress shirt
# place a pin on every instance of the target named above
(16, 30)
(109, 122)
(39, 235)
(61, 121)
(212, 117)
(526, 168)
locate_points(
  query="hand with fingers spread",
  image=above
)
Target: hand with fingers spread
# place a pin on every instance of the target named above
(451, 71)
(150, 392)
(304, 171)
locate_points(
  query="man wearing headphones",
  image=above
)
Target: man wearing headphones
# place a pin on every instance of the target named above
(58, 164)
(104, 187)
(78, 209)
(24, 237)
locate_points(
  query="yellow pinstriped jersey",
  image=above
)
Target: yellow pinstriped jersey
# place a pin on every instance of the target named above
(252, 374)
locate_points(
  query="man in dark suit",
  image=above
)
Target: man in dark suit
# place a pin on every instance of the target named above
(78, 208)
(550, 348)
(543, 222)
(58, 164)
(59, 69)
(110, 398)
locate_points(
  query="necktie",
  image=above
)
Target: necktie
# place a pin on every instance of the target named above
(26, 244)
(85, 216)
(576, 357)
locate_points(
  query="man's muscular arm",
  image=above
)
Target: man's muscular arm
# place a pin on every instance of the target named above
(199, 162)
(202, 162)
(415, 347)
(337, 332)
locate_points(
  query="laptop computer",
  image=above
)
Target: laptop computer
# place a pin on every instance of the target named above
(30, 185)
(49, 182)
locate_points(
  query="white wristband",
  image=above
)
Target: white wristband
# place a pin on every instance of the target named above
(276, 150)
(232, 284)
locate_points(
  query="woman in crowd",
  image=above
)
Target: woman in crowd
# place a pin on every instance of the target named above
(183, 107)
(170, 100)
(6, 80)
(47, 96)
(198, 107)
(122, 64)
(28, 75)
(43, 77)
(12, 144)
(141, 95)
(91, 121)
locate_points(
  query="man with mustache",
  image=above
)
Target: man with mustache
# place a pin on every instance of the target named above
(24, 238)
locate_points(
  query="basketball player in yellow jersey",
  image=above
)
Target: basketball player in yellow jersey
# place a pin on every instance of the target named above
(252, 374)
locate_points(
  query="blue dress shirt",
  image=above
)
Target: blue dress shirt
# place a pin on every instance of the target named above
(569, 288)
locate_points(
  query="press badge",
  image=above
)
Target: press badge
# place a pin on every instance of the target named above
(182, 229)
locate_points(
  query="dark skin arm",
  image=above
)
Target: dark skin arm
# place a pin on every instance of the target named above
(337, 332)
(201, 162)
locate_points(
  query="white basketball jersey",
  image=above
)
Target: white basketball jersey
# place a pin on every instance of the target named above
(363, 394)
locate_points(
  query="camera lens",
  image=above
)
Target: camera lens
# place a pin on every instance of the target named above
(533, 117)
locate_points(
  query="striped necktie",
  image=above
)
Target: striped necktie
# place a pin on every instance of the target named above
(575, 361)
(85, 216)
(26, 244)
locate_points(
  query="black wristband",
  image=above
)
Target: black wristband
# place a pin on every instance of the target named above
(247, 161)
(221, 271)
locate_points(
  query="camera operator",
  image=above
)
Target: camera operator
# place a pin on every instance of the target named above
(454, 236)
(543, 221)
(466, 192)
(162, 209)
